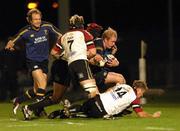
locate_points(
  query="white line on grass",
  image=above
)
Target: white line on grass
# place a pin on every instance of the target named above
(40, 124)
(19, 125)
(159, 128)
(72, 123)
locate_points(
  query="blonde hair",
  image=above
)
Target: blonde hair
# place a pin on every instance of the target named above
(108, 33)
(139, 84)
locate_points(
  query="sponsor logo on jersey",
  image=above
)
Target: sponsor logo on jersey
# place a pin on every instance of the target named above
(40, 39)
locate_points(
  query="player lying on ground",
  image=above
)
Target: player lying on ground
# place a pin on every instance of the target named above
(110, 103)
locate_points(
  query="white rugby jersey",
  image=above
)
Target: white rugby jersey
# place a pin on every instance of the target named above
(117, 99)
(75, 45)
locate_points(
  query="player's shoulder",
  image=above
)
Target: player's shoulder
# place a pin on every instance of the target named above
(87, 35)
(46, 24)
(98, 42)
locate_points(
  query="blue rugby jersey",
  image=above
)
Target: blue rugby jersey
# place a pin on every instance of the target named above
(103, 52)
(37, 42)
(100, 48)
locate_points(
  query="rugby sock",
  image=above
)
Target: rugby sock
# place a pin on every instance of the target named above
(75, 108)
(47, 101)
(29, 94)
(40, 94)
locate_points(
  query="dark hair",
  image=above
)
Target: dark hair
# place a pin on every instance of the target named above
(32, 11)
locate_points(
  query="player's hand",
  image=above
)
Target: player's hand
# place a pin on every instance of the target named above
(157, 114)
(112, 62)
(10, 46)
(114, 49)
(98, 58)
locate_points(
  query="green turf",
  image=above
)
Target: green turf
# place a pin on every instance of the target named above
(169, 120)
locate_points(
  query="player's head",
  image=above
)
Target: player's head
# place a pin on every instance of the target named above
(76, 22)
(94, 29)
(109, 37)
(140, 87)
(34, 17)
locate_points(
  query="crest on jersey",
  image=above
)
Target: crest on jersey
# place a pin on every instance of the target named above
(32, 35)
(46, 32)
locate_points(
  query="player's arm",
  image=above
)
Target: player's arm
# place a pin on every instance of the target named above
(96, 59)
(98, 56)
(91, 50)
(56, 31)
(144, 114)
(10, 45)
(15, 39)
(141, 113)
(57, 50)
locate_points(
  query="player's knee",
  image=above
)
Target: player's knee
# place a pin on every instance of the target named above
(120, 79)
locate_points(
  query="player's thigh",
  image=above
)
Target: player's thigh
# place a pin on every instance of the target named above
(39, 78)
(58, 90)
(113, 77)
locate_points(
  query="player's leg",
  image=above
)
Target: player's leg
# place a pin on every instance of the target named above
(39, 75)
(90, 87)
(30, 93)
(69, 111)
(40, 79)
(100, 80)
(27, 95)
(84, 76)
(113, 77)
(93, 107)
(58, 91)
(59, 76)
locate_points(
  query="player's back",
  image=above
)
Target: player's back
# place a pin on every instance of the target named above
(118, 98)
(74, 45)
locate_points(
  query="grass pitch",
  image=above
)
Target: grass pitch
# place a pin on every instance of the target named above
(169, 121)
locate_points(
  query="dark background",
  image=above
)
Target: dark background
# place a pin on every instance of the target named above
(134, 20)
